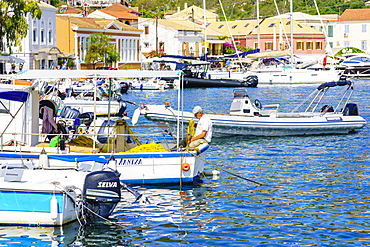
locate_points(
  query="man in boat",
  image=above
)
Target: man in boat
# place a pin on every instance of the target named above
(203, 131)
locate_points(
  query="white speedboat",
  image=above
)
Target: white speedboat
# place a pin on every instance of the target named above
(251, 119)
(357, 65)
(147, 84)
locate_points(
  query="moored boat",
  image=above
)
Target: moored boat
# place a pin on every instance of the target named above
(314, 116)
(109, 138)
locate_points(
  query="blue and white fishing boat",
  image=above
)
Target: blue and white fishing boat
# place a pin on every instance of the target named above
(316, 115)
(165, 166)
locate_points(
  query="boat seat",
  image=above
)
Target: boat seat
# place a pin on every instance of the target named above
(69, 112)
(84, 167)
(11, 174)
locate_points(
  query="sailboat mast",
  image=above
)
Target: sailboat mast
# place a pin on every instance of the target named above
(291, 35)
(205, 29)
(258, 23)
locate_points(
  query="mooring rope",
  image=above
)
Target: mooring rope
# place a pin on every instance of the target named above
(222, 169)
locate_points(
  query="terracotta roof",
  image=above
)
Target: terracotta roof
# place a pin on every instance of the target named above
(95, 23)
(70, 10)
(121, 15)
(120, 8)
(355, 15)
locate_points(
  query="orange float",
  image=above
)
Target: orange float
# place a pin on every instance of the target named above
(185, 166)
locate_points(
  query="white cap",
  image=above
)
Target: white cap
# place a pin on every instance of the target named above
(197, 109)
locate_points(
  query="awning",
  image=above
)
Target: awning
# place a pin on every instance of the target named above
(13, 95)
(11, 59)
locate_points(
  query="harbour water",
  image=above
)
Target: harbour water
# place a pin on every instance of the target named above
(315, 189)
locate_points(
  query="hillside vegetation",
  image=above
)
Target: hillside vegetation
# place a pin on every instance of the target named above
(246, 9)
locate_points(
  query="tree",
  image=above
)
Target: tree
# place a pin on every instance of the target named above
(13, 21)
(101, 50)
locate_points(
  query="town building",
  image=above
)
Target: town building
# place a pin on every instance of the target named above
(118, 12)
(351, 30)
(38, 49)
(73, 38)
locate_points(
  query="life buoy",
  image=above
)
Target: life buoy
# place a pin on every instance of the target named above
(190, 132)
(185, 166)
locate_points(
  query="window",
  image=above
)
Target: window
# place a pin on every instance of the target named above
(364, 28)
(146, 44)
(309, 45)
(272, 25)
(34, 35)
(146, 30)
(330, 31)
(256, 45)
(282, 46)
(246, 25)
(318, 45)
(268, 46)
(42, 36)
(50, 37)
(220, 26)
(364, 45)
(331, 44)
(346, 28)
(234, 26)
(346, 44)
(299, 45)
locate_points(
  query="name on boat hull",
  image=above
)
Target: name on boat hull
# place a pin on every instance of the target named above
(130, 162)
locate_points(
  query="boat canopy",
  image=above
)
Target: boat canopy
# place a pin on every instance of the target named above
(334, 83)
(12, 95)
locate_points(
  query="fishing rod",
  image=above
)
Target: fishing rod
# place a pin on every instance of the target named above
(222, 169)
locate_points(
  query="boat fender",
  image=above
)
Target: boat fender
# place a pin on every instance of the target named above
(135, 117)
(54, 207)
(43, 159)
(185, 167)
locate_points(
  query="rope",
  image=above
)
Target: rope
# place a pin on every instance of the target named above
(236, 175)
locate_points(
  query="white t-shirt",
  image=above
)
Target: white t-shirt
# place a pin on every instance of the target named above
(204, 124)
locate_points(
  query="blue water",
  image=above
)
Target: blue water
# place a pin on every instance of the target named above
(314, 192)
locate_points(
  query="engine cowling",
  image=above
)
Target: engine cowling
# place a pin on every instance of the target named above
(102, 192)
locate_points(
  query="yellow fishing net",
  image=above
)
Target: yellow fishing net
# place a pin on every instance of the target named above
(151, 147)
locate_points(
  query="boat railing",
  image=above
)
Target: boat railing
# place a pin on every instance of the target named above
(132, 138)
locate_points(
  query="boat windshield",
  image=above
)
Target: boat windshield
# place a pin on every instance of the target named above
(240, 93)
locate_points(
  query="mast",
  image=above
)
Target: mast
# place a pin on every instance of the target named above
(258, 25)
(291, 35)
(205, 29)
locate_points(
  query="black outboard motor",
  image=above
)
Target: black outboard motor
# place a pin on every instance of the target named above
(251, 81)
(124, 87)
(351, 109)
(102, 192)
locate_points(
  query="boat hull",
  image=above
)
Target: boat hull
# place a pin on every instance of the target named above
(231, 125)
(135, 168)
(29, 201)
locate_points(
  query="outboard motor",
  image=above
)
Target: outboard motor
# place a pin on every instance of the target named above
(102, 192)
(251, 81)
(124, 87)
(351, 109)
